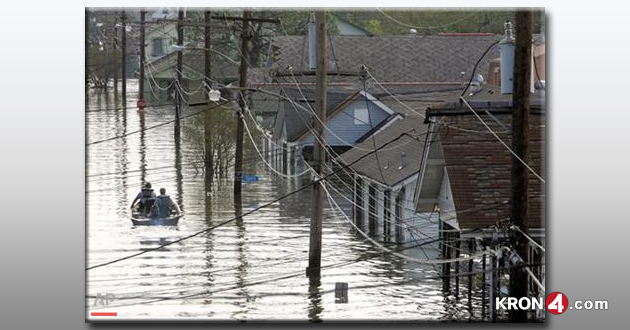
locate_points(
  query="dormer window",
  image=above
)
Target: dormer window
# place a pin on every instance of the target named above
(361, 117)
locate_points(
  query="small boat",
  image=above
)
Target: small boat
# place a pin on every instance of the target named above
(140, 219)
(144, 221)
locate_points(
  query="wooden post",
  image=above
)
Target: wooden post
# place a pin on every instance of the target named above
(238, 161)
(520, 136)
(483, 287)
(178, 84)
(319, 150)
(209, 159)
(87, 54)
(471, 251)
(494, 265)
(116, 68)
(141, 102)
(123, 78)
(446, 267)
(457, 265)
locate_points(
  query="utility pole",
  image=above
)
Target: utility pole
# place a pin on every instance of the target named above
(87, 54)
(520, 137)
(319, 150)
(178, 83)
(208, 115)
(238, 162)
(115, 64)
(141, 102)
(123, 78)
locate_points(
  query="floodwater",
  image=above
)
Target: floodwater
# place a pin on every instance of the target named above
(250, 269)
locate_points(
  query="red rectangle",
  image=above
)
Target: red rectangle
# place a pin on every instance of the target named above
(104, 314)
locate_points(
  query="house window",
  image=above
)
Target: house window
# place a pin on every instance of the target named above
(361, 117)
(158, 47)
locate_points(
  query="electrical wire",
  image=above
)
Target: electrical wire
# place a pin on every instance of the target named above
(233, 219)
(424, 27)
(501, 141)
(157, 125)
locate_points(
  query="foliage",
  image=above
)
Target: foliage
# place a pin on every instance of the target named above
(432, 21)
(223, 130)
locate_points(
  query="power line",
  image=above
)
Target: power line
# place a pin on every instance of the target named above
(425, 27)
(501, 141)
(156, 126)
(472, 75)
(244, 214)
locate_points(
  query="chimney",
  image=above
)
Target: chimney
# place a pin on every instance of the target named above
(506, 46)
(312, 43)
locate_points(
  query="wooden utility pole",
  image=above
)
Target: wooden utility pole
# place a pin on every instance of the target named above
(208, 115)
(178, 83)
(87, 54)
(520, 137)
(141, 102)
(115, 65)
(123, 78)
(319, 150)
(242, 83)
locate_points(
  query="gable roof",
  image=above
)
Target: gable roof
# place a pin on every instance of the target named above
(298, 119)
(194, 60)
(479, 167)
(412, 107)
(394, 58)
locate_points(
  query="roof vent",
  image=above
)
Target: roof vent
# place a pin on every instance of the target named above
(403, 160)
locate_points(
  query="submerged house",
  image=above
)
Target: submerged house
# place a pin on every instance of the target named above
(351, 116)
(161, 75)
(475, 184)
(400, 64)
(386, 185)
(161, 52)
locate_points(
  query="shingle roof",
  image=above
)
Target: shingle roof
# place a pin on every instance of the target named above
(413, 107)
(389, 158)
(479, 167)
(395, 58)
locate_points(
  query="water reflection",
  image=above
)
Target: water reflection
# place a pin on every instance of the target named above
(250, 269)
(143, 149)
(178, 165)
(315, 299)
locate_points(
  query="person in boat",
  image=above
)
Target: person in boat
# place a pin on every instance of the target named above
(163, 205)
(146, 196)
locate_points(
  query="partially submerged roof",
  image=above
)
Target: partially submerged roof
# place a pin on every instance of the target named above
(387, 165)
(479, 166)
(384, 165)
(298, 116)
(193, 61)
